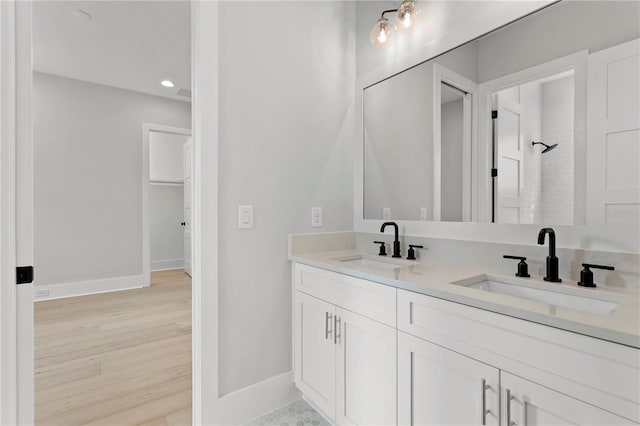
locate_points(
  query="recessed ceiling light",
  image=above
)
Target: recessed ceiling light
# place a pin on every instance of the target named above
(167, 83)
(82, 15)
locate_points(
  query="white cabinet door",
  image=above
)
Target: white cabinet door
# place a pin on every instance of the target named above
(527, 403)
(314, 351)
(366, 371)
(437, 386)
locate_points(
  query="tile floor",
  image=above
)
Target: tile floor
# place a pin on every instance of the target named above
(297, 414)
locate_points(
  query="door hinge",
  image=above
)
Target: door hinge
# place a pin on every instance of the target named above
(494, 172)
(494, 114)
(24, 274)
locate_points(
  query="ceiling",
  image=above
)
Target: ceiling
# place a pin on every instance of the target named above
(127, 44)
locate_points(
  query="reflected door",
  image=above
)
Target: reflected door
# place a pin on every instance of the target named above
(509, 160)
(188, 159)
(613, 147)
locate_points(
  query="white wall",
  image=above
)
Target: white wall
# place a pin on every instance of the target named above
(88, 174)
(286, 87)
(452, 144)
(398, 170)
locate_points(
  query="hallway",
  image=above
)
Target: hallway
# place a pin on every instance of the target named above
(118, 358)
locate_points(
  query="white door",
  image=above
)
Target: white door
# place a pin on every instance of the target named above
(437, 386)
(509, 147)
(314, 351)
(613, 138)
(16, 214)
(366, 371)
(527, 403)
(188, 211)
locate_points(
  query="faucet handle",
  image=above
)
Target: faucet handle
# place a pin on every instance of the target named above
(523, 268)
(411, 255)
(586, 276)
(383, 249)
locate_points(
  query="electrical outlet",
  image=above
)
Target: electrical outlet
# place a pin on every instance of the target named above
(245, 217)
(41, 292)
(386, 213)
(316, 217)
(423, 213)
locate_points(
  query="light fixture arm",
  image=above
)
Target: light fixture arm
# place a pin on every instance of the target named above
(387, 11)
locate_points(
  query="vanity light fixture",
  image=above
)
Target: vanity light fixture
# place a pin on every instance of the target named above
(383, 30)
(167, 83)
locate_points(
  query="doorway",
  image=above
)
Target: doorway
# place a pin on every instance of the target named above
(167, 198)
(112, 339)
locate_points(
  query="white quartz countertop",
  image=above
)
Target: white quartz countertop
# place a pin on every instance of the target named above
(622, 325)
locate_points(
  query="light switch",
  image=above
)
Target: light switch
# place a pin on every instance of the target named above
(316, 217)
(386, 213)
(423, 213)
(245, 217)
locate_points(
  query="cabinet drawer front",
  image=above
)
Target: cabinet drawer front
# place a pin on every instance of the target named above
(375, 301)
(602, 373)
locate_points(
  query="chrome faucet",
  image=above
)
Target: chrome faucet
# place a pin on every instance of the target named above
(552, 260)
(396, 241)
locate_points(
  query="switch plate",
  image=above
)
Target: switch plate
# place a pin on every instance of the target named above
(316, 217)
(386, 213)
(245, 217)
(423, 213)
(42, 292)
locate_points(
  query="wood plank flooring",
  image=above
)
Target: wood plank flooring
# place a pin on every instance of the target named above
(121, 358)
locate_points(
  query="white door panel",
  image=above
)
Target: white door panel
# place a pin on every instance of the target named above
(509, 160)
(188, 213)
(613, 143)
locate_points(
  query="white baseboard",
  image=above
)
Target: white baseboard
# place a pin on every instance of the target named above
(254, 401)
(83, 288)
(163, 265)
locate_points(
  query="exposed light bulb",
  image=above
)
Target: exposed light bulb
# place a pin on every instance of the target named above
(407, 15)
(382, 33)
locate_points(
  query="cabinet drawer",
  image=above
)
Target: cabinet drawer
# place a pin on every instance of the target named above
(601, 373)
(375, 301)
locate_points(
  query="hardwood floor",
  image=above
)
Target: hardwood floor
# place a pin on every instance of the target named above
(121, 358)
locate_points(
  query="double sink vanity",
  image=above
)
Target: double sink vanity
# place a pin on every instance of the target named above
(383, 340)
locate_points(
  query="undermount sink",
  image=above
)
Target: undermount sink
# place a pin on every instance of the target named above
(360, 260)
(593, 301)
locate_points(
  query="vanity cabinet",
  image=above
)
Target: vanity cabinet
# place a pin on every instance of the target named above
(366, 353)
(344, 361)
(548, 375)
(437, 386)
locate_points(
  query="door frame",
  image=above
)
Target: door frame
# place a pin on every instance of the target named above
(576, 62)
(147, 128)
(16, 322)
(442, 74)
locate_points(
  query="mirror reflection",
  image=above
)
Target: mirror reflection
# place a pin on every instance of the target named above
(537, 122)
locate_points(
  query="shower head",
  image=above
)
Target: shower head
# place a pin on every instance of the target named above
(547, 147)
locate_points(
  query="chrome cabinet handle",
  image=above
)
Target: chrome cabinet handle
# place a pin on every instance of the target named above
(484, 401)
(508, 403)
(327, 321)
(336, 327)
